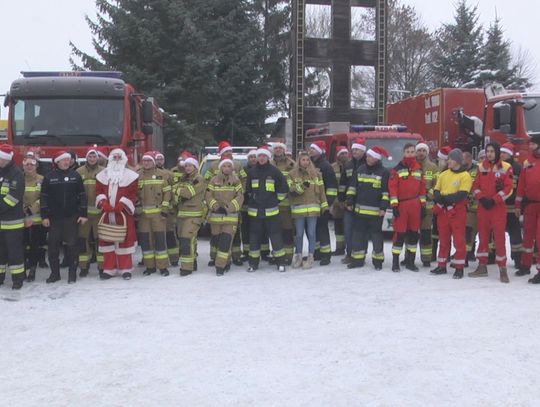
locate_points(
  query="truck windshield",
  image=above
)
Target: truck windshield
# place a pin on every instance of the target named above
(394, 146)
(68, 122)
(532, 118)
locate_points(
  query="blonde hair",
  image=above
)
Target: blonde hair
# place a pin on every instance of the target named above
(311, 170)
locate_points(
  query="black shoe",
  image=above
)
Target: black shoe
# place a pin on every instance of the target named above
(211, 263)
(237, 262)
(195, 265)
(147, 272)
(53, 278)
(105, 276)
(43, 264)
(338, 252)
(535, 279)
(377, 264)
(395, 263)
(458, 274)
(83, 273)
(251, 269)
(31, 274)
(18, 280)
(164, 272)
(523, 271)
(410, 264)
(184, 273)
(355, 264)
(438, 270)
(325, 261)
(72, 276)
(219, 271)
(126, 276)
(426, 264)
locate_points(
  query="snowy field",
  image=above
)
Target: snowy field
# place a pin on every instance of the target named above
(324, 337)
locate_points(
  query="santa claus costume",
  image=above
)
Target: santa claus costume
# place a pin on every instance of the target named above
(116, 190)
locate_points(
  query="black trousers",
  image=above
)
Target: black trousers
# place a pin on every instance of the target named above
(514, 231)
(63, 230)
(323, 235)
(11, 254)
(34, 236)
(259, 229)
(366, 228)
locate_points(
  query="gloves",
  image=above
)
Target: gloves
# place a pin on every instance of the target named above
(499, 185)
(395, 211)
(221, 210)
(423, 212)
(487, 203)
(306, 184)
(106, 207)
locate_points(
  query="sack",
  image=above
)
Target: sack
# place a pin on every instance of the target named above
(112, 233)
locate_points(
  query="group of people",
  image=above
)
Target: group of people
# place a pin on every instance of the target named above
(263, 210)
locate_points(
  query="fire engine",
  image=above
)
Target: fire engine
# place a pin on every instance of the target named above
(74, 110)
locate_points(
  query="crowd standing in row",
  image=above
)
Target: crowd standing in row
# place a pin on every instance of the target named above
(271, 203)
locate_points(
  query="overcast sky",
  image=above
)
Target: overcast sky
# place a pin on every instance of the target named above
(36, 33)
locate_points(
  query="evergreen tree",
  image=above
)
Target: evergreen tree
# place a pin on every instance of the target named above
(458, 53)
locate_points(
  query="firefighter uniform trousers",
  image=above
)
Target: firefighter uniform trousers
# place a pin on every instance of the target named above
(451, 226)
(531, 233)
(11, 250)
(337, 211)
(489, 220)
(172, 241)
(35, 235)
(366, 227)
(285, 165)
(33, 238)
(430, 171)
(406, 226)
(259, 229)
(154, 195)
(187, 229)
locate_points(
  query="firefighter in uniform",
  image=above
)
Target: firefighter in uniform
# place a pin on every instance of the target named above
(450, 197)
(528, 204)
(224, 197)
(189, 195)
(471, 228)
(442, 165)
(492, 186)
(152, 209)
(35, 153)
(338, 208)
(512, 222)
(407, 190)
(316, 152)
(87, 231)
(430, 171)
(367, 196)
(34, 233)
(11, 219)
(358, 157)
(285, 165)
(266, 187)
(244, 221)
(225, 151)
(170, 234)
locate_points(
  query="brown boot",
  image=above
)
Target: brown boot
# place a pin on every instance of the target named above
(481, 271)
(504, 275)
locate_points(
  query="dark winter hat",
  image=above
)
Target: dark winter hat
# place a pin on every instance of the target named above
(456, 155)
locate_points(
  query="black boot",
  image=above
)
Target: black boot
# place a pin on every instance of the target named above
(83, 273)
(2, 278)
(317, 255)
(523, 271)
(354, 264)
(535, 279)
(340, 252)
(426, 263)
(404, 261)
(491, 257)
(219, 271)
(31, 274)
(410, 262)
(438, 270)
(395, 263)
(126, 276)
(105, 276)
(149, 271)
(377, 264)
(195, 266)
(17, 280)
(72, 276)
(517, 259)
(211, 263)
(325, 260)
(53, 278)
(184, 273)
(41, 262)
(164, 272)
(458, 274)
(237, 261)
(434, 247)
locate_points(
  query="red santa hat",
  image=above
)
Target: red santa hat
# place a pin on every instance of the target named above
(359, 144)
(224, 160)
(422, 146)
(252, 153)
(341, 150)
(223, 147)
(443, 153)
(158, 154)
(508, 148)
(319, 146)
(92, 150)
(149, 155)
(192, 160)
(6, 152)
(264, 150)
(378, 152)
(61, 155)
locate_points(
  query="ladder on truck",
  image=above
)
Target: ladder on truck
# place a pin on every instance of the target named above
(381, 60)
(299, 12)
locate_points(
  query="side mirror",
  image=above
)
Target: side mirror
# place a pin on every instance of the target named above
(147, 129)
(529, 104)
(147, 111)
(6, 100)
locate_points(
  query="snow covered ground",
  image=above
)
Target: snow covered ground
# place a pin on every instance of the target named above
(323, 337)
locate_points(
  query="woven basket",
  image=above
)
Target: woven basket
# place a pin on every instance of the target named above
(112, 233)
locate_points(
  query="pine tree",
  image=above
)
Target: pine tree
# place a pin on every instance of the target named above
(458, 53)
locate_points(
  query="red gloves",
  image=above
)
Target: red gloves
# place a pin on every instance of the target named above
(106, 206)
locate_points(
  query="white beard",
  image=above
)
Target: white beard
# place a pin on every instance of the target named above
(115, 171)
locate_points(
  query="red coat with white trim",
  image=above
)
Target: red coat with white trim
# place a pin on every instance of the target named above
(406, 183)
(125, 195)
(528, 185)
(491, 176)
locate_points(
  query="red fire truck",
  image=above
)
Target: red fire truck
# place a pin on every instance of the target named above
(75, 110)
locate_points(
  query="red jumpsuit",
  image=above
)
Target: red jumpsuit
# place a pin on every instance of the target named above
(490, 178)
(118, 256)
(407, 190)
(529, 188)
